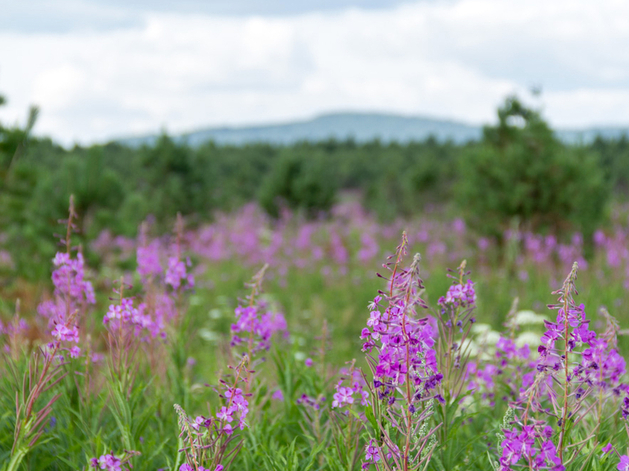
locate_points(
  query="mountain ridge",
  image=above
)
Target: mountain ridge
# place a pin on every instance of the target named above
(362, 127)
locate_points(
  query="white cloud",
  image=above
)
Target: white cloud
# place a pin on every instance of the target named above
(454, 59)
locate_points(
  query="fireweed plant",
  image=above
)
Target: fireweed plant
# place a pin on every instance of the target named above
(350, 398)
(404, 376)
(213, 442)
(45, 370)
(255, 325)
(556, 422)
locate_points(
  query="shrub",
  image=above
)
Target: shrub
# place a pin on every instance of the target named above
(521, 170)
(300, 181)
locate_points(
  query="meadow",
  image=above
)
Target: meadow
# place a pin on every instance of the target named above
(319, 344)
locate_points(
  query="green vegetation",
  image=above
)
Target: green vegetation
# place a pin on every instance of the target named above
(519, 170)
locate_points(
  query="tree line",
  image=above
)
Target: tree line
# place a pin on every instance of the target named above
(518, 170)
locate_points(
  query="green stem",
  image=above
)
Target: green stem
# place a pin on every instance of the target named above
(16, 458)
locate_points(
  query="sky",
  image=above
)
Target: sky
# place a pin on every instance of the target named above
(105, 69)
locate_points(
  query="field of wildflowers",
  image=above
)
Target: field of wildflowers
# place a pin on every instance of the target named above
(251, 344)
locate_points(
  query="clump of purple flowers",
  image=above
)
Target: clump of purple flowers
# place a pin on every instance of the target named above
(212, 440)
(72, 293)
(108, 462)
(237, 408)
(506, 363)
(372, 455)
(160, 304)
(255, 325)
(354, 391)
(520, 445)
(403, 364)
(459, 295)
(576, 373)
(177, 275)
(136, 320)
(148, 258)
(111, 462)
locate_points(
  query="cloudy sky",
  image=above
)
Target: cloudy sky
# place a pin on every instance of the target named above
(109, 68)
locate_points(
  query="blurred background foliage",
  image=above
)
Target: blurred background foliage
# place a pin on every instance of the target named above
(521, 170)
(518, 171)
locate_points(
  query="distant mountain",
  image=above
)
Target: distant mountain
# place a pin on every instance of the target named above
(585, 136)
(361, 127)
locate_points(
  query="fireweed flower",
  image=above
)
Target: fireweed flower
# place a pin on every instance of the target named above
(128, 327)
(372, 455)
(237, 408)
(149, 260)
(459, 295)
(356, 392)
(210, 439)
(255, 326)
(110, 462)
(160, 306)
(72, 293)
(404, 374)
(342, 396)
(521, 446)
(454, 314)
(177, 275)
(125, 316)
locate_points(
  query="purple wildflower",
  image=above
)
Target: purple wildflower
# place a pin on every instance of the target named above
(258, 326)
(372, 454)
(176, 274)
(342, 396)
(148, 260)
(110, 463)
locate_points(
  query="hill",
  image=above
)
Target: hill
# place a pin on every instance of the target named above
(361, 127)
